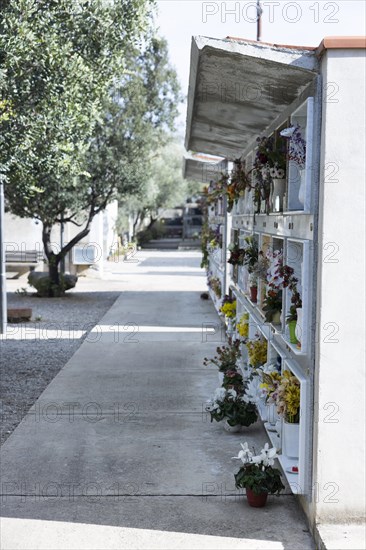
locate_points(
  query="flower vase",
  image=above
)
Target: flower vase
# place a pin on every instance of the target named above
(279, 187)
(292, 332)
(301, 196)
(257, 501)
(272, 415)
(262, 410)
(231, 429)
(276, 318)
(290, 436)
(230, 325)
(298, 329)
(253, 294)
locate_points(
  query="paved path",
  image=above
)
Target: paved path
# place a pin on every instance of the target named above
(118, 453)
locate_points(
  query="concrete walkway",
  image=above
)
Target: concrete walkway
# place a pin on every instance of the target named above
(118, 453)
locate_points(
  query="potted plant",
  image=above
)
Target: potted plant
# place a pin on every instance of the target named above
(257, 475)
(233, 408)
(253, 288)
(226, 357)
(272, 306)
(233, 380)
(288, 406)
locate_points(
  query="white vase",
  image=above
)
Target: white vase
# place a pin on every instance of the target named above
(291, 439)
(272, 415)
(232, 429)
(279, 188)
(298, 329)
(301, 196)
(262, 410)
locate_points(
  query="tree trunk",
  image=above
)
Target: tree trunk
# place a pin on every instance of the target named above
(56, 287)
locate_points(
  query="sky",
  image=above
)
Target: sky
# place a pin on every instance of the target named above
(305, 23)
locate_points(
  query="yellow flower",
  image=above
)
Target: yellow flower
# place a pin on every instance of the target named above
(229, 309)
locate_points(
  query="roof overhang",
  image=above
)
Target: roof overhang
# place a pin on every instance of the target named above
(202, 168)
(238, 88)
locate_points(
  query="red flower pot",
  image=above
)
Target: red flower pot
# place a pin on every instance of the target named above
(253, 293)
(257, 501)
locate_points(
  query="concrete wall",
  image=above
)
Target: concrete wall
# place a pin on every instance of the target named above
(26, 234)
(339, 432)
(22, 234)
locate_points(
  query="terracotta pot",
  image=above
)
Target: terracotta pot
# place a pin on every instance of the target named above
(257, 501)
(253, 293)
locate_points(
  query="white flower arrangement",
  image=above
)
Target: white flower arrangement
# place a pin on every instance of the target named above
(278, 173)
(266, 457)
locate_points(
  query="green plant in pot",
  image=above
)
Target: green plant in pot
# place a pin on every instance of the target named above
(231, 406)
(257, 475)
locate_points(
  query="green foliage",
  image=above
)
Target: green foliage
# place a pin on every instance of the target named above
(260, 479)
(235, 411)
(162, 185)
(85, 103)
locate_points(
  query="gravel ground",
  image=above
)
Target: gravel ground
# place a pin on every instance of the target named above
(31, 354)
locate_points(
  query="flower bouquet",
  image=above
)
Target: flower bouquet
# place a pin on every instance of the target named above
(243, 326)
(288, 397)
(237, 255)
(227, 356)
(228, 307)
(257, 352)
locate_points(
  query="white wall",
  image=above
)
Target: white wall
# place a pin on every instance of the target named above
(25, 234)
(339, 447)
(22, 234)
